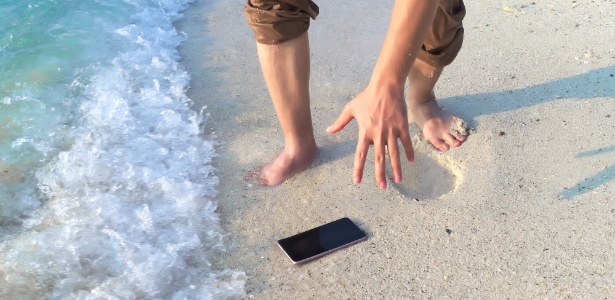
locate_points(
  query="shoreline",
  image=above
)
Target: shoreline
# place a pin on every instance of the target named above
(498, 228)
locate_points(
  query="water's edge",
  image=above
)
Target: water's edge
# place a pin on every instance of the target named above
(123, 202)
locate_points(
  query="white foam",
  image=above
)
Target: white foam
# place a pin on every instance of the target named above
(131, 204)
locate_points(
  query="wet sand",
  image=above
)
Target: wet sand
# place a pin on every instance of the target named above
(524, 209)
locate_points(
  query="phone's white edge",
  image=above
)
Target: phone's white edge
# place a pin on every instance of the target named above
(321, 254)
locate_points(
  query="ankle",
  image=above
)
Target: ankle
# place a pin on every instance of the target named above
(418, 96)
(300, 146)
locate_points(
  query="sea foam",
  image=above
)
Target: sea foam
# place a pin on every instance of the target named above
(128, 208)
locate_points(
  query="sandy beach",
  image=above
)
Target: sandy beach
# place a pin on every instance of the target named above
(525, 209)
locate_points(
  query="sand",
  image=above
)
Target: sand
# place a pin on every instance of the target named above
(524, 209)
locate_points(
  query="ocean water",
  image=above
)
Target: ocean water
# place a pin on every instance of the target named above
(106, 185)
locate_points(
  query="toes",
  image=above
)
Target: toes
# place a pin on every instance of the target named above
(255, 177)
(458, 135)
(459, 129)
(449, 139)
(439, 144)
(251, 175)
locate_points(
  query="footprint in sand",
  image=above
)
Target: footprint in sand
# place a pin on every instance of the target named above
(427, 178)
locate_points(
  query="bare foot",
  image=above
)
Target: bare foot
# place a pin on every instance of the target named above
(439, 127)
(285, 166)
(287, 74)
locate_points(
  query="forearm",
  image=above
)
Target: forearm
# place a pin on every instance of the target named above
(407, 30)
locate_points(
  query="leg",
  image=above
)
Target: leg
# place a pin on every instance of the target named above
(434, 122)
(439, 49)
(286, 68)
(280, 29)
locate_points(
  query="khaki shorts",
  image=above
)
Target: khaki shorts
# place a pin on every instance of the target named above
(277, 21)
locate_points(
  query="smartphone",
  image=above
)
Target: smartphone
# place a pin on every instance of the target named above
(322, 240)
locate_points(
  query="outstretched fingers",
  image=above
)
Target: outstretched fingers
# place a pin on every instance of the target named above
(380, 154)
(359, 160)
(406, 142)
(344, 118)
(379, 164)
(393, 150)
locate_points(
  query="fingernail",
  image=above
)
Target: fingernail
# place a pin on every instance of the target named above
(328, 129)
(356, 180)
(383, 185)
(397, 179)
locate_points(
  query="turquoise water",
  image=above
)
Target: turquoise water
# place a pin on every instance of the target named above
(106, 183)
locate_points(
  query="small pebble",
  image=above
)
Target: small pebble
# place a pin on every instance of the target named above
(449, 231)
(502, 133)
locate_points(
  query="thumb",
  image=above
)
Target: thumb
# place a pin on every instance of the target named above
(341, 122)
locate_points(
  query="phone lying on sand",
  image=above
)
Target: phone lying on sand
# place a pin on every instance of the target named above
(321, 240)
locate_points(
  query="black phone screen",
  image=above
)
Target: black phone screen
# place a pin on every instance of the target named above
(321, 240)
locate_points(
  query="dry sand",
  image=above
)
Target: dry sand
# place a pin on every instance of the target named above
(524, 209)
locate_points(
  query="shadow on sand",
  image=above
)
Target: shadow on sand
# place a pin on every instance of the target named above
(598, 83)
(590, 183)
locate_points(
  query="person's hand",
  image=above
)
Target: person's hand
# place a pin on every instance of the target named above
(383, 118)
